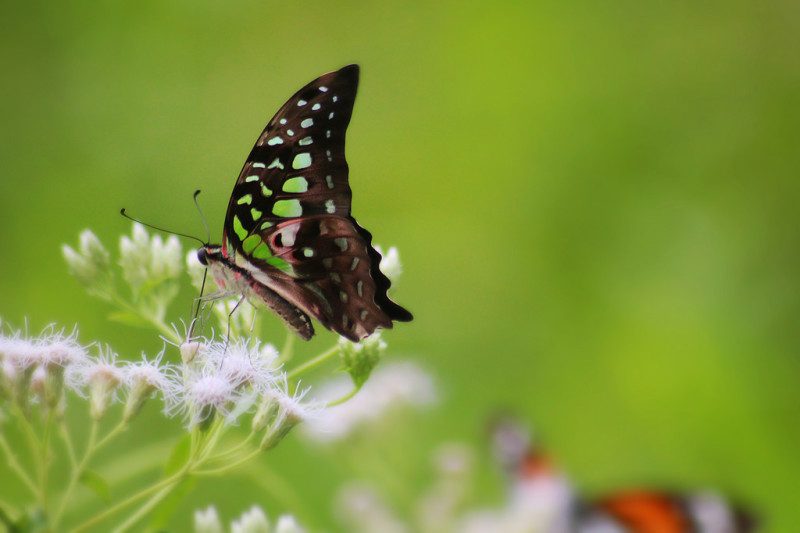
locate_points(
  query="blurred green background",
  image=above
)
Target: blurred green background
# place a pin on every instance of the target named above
(596, 205)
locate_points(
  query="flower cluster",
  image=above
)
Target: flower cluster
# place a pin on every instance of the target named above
(232, 393)
(254, 520)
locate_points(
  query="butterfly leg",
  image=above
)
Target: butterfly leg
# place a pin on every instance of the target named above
(230, 317)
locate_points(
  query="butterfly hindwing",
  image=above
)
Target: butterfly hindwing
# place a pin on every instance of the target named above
(289, 214)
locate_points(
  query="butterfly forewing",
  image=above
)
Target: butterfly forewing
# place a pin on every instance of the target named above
(289, 214)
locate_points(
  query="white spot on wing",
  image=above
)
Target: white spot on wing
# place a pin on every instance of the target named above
(258, 165)
(289, 234)
(323, 89)
(330, 207)
(301, 103)
(274, 141)
(316, 107)
(307, 123)
(276, 164)
(306, 141)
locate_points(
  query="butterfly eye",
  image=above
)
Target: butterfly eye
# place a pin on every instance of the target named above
(202, 256)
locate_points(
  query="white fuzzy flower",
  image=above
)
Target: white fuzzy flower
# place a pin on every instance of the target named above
(145, 378)
(288, 524)
(283, 411)
(254, 520)
(60, 350)
(395, 385)
(207, 393)
(207, 521)
(244, 362)
(390, 263)
(226, 379)
(101, 376)
(18, 353)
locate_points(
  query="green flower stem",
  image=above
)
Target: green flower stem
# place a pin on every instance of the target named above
(205, 448)
(228, 467)
(68, 444)
(119, 428)
(314, 363)
(27, 428)
(45, 457)
(16, 466)
(178, 476)
(36, 449)
(76, 473)
(344, 398)
(227, 454)
(146, 508)
(201, 447)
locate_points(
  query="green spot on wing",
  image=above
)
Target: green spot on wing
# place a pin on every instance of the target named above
(301, 160)
(246, 199)
(250, 243)
(262, 251)
(239, 229)
(296, 184)
(255, 213)
(280, 264)
(287, 208)
(266, 191)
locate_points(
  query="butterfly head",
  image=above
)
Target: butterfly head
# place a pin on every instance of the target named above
(207, 252)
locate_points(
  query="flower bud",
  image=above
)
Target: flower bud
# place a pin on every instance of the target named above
(103, 383)
(207, 521)
(290, 413)
(253, 520)
(360, 358)
(288, 524)
(189, 351)
(265, 413)
(90, 264)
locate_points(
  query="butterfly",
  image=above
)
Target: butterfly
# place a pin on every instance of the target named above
(289, 239)
(541, 489)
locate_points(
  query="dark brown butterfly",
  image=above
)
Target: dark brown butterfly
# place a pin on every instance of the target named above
(289, 238)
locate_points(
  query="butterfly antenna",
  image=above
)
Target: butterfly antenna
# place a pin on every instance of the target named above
(200, 298)
(202, 216)
(126, 215)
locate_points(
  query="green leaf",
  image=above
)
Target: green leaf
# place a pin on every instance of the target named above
(97, 484)
(128, 318)
(179, 456)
